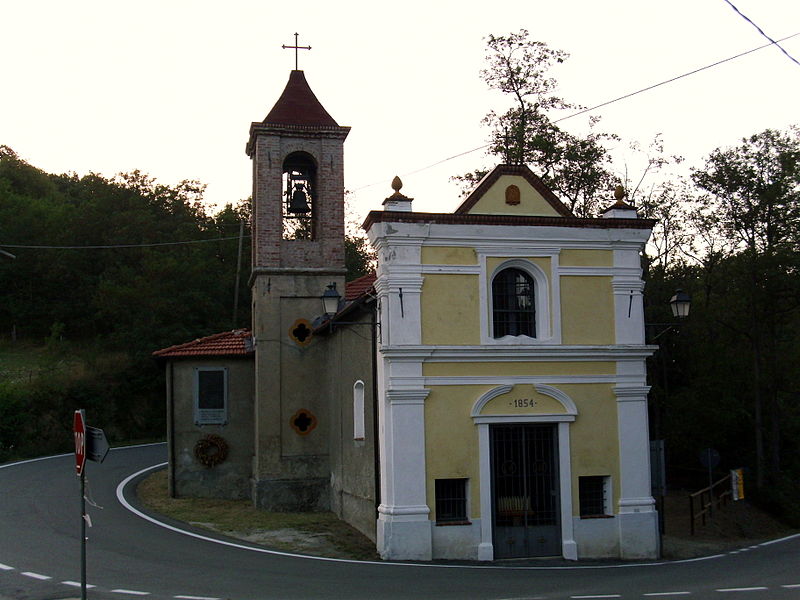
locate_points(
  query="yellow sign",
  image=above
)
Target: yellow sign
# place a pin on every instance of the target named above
(737, 484)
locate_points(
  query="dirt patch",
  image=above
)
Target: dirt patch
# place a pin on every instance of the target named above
(736, 525)
(316, 534)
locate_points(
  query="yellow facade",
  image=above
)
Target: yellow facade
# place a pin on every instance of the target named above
(594, 438)
(445, 255)
(514, 369)
(452, 451)
(587, 310)
(450, 310)
(586, 258)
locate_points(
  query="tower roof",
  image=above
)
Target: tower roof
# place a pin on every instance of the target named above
(299, 106)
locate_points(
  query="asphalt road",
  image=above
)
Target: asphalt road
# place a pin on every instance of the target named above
(130, 556)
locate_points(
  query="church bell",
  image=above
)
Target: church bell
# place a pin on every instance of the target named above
(298, 203)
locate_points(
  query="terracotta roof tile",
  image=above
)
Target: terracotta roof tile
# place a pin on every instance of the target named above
(238, 342)
(358, 287)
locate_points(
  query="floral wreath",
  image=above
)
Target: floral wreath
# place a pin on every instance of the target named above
(211, 450)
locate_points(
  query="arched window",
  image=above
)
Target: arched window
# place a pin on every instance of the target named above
(358, 410)
(513, 304)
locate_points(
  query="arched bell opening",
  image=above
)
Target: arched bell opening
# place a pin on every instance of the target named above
(299, 196)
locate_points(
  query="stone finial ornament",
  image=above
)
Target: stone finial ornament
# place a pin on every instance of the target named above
(397, 184)
(620, 209)
(397, 201)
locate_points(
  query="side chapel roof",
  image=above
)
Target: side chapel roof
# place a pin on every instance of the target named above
(239, 342)
(353, 290)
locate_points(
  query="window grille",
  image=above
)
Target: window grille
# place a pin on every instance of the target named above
(593, 495)
(451, 500)
(513, 304)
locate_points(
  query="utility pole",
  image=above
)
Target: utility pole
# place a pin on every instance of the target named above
(238, 275)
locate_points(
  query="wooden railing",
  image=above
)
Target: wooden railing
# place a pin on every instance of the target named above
(703, 502)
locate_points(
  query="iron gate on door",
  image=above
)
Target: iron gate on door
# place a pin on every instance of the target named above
(525, 497)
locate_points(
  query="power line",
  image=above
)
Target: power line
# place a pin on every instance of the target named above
(585, 110)
(761, 31)
(651, 87)
(110, 246)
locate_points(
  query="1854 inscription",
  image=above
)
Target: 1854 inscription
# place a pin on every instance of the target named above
(523, 403)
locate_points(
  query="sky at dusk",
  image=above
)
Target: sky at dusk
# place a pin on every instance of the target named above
(171, 87)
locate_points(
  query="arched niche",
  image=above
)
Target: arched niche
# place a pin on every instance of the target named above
(300, 195)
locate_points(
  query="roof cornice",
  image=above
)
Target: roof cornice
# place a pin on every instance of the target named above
(379, 216)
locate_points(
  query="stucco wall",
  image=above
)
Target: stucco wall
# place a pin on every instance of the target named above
(231, 478)
(291, 469)
(352, 462)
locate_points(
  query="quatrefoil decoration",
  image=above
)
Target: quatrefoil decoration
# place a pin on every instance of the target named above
(300, 332)
(303, 422)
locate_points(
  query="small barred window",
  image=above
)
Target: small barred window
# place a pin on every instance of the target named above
(593, 495)
(451, 500)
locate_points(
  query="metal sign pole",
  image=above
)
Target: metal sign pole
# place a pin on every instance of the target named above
(83, 535)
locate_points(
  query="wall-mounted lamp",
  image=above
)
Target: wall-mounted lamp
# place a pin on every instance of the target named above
(330, 299)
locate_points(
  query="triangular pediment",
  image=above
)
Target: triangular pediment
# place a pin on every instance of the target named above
(513, 190)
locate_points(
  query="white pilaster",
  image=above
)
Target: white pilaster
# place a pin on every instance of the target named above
(628, 300)
(486, 547)
(403, 528)
(569, 549)
(404, 531)
(638, 522)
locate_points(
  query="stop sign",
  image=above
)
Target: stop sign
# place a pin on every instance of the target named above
(79, 431)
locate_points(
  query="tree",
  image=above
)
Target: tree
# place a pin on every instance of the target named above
(574, 167)
(359, 256)
(753, 200)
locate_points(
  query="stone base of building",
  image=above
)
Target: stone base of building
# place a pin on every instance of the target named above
(292, 495)
(404, 537)
(638, 535)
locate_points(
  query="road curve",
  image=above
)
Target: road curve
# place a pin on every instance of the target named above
(131, 554)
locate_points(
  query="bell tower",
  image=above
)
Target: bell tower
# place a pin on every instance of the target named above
(298, 249)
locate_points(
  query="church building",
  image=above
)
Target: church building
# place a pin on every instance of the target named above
(481, 396)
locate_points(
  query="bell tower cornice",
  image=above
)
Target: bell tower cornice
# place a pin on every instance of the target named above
(300, 131)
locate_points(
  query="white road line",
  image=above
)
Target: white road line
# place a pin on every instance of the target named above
(31, 460)
(599, 596)
(36, 576)
(783, 539)
(5, 567)
(127, 505)
(791, 586)
(748, 589)
(78, 584)
(668, 594)
(195, 598)
(130, 592)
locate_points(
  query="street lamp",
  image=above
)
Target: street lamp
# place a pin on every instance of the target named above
(680, 304)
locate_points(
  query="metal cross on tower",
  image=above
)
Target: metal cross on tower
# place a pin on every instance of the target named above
(296, 48)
